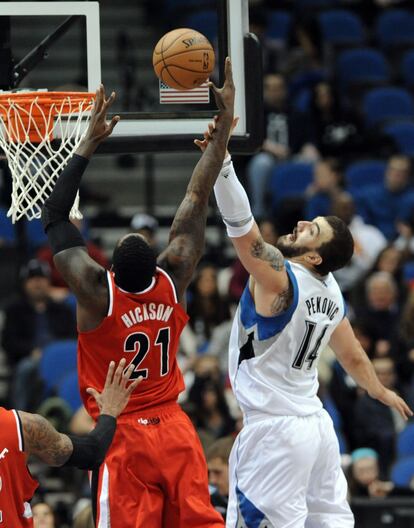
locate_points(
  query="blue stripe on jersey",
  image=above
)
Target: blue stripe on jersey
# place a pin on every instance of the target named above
(267, 326)
(252, 516)
(345, 307)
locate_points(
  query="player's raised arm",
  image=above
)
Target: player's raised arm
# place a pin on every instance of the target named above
(186, 241)
(264, 262)
(84, 276)
(87, 451)
(354, 360)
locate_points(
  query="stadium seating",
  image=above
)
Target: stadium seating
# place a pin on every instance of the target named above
(7, 231)
(289, 180)
(341, 27)
(362, 66)
(364, 173)
(385, 104)
(175, 5)
(407, 68)
(408, 274)
(35, 234)
(58, 358)
(68, 390)
(316, 4)
(302, 101)
(405, 442)
(279, 24)
(403, 135)
(395, 27)
(204, 21)
(402, 472)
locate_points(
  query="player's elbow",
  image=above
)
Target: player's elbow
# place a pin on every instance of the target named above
(353, 357)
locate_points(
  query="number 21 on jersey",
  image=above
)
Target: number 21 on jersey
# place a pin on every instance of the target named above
(140, 344)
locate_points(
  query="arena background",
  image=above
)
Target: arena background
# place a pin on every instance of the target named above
(338, 124)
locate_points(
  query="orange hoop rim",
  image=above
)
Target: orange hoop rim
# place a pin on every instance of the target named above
(30, 114)
(44, 97)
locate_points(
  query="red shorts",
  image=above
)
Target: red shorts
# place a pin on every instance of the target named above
(154, 474)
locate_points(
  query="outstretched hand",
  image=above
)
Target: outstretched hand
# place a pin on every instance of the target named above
(225, 96)
(98, 128)
(391, 399)
(116, 392)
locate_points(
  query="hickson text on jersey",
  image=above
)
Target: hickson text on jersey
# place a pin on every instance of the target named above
(147, 312)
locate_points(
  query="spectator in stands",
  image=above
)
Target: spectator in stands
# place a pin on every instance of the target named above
(405, 241)
(33, 320)
(218, 472)
(362, 333)
(211, 411)
(43, 516)
(375, 425)
(403, 343)
(206, 307)
(368, 241)
(390, 260)
(384, 204)
(147, 226)
(44, 253)
(271, 50)
(335, 133)
(326, 185)
(286, 133)
(364, 478)
(343, 391)
(83, 515)
(380, 311)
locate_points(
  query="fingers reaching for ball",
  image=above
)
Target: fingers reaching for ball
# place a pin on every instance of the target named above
(225, 96)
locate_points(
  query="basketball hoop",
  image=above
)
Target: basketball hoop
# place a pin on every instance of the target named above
(29, 124)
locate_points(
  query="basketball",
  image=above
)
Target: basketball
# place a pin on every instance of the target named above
(183, 59)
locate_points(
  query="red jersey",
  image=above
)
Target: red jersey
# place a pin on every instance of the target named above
(17, 486)
(144, 328)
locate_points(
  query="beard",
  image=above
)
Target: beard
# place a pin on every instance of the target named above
(288, 249)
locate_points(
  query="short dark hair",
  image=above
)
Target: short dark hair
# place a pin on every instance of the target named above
(134, 263)
(339, 250)
(221, 448)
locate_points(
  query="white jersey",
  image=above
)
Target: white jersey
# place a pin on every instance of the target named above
(273, 360)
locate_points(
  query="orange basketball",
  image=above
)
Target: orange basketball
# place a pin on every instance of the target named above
(183, 59)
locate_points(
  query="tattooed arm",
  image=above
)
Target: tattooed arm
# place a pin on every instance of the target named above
(42, 439)
(270, 284)
(186, 243)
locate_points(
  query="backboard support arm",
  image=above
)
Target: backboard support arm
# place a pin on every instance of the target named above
(40, 52)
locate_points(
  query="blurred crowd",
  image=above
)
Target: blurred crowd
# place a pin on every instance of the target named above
(321, 155)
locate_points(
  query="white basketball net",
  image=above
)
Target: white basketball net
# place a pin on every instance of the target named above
(36, 164)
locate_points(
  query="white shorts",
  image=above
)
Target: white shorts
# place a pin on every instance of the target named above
(285, 473)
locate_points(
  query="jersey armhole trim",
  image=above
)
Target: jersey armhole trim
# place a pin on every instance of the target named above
(19, 428)
(111, 293)
(174, 289)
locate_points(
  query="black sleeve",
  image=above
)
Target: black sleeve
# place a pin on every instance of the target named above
(89, 450)
(62, 234)
(58, 205)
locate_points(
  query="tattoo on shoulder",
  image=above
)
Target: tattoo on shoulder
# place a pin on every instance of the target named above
(42, 440)
(268, 253)
(282, 301)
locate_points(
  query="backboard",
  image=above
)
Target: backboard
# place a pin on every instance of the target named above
(112, 42)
